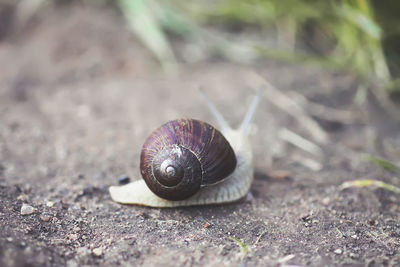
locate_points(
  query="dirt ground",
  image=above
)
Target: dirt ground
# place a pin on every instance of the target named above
(79, 95)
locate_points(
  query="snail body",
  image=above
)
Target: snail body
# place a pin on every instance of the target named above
(187, 162)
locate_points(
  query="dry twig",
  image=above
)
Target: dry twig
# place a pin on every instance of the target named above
(287, 104)
(324, 112)
(300, 142)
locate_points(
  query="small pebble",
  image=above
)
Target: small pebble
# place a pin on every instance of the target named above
(353, 255)
(10, 239)
(97, 252)
(373, 222)
(27, 209)
(124, 180)
(50, 204)
(74, 207)
(45, 218)
(73, 237)
(354, 236)
(338, 251)
(326, 201)
(279, 174)
(206, 225)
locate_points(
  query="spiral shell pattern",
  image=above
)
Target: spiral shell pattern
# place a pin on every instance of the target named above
(182, 156)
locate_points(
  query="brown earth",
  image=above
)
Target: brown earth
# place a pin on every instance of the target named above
(78, 96)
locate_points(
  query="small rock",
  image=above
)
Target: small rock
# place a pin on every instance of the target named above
(373, 223)
(124, 180)
(73, 237)
(10, 239)
(45, 217)
(326, 201)
(338, 251)
(50, 204)
(279, 174)
(354, 255)
(75, 207)
(354, 236)
(97, 252)
(27, 209)
(206, 225)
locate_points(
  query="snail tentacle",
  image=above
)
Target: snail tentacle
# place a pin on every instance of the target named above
(214, 111)
(250, 112)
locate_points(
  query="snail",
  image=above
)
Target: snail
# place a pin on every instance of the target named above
(187, 162)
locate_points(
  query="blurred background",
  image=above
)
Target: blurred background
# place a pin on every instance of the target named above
(360, 37)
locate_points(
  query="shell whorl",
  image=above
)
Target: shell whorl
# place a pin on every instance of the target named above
(184, 155)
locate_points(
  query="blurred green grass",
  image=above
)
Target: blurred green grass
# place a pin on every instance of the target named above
(357, 36)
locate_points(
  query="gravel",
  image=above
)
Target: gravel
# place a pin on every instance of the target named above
(27, 209)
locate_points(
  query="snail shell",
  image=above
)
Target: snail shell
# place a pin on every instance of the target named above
(184, 155)
(231, 189)
(221, 164)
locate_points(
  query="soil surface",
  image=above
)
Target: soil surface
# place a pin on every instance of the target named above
(79, 95)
